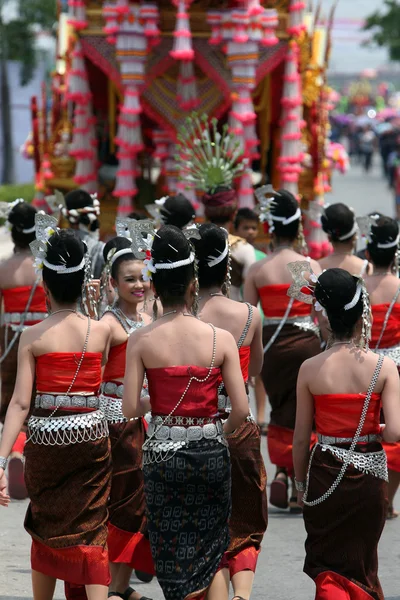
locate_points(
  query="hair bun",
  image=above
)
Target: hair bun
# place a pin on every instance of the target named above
(335, 288)
(384, 231)
(338, 220)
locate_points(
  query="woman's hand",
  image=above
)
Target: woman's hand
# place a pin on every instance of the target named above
(4, 497)
(300, 499)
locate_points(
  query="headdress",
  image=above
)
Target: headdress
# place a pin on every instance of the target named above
(56, 202)
(5, 210)
(300, 269)
(266, 206)
(91, 211)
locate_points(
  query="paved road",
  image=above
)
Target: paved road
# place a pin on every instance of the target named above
(279, 575)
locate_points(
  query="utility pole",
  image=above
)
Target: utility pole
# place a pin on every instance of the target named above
(7, 150)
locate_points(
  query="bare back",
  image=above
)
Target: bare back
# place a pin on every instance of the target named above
(273, 270)
(17, 271)
(67, 333)
(229, 315)
(183, 340)
(349, 262)
(382, 290)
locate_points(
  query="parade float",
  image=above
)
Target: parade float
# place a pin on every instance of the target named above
(128, 75)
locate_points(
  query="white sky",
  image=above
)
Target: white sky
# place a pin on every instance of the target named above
(347, 55)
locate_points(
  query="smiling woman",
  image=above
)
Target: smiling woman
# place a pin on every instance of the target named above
(128, 544)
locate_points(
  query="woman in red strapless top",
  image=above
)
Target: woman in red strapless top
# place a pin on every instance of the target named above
(289, 336)
(186, 464)
(243, 321)
(384, 290)
(68, 462)
(342, 483)
(128, 544)
(23, 305)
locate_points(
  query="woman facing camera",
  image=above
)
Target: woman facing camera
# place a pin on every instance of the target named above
(68, 462)
(186, 464)
(342, 484)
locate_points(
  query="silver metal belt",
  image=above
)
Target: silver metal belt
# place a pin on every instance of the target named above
(177, 433)
(71, 429)
(50, 401)
(225, 406)
(304, 323)
(393, 353)
(327, 439)
(109, 388)
(370, 463)
(111, 401)
(16, 318)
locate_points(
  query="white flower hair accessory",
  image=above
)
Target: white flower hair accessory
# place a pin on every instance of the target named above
(149, 267)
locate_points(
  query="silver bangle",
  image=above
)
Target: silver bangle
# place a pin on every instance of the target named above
(300, 485)
(3, 463)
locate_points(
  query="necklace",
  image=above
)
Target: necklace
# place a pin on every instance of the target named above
(283, 247)
(71, 310)
(131, 322)
(340, 343)
(381, 274)
(342, 254)
(170, 312)
(217, 294)
(128, 325)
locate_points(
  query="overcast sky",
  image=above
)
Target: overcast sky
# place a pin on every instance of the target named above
(347, 55)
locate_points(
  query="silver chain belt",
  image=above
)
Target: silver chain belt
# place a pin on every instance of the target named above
(111, 401)
(374, 463)
(331, 441)
(72, 429)
(16, 318)
(51, 401)
(393, 353)
(304, 323)
(166, 439)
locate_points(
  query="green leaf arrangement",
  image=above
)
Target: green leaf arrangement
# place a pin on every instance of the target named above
(208, 159)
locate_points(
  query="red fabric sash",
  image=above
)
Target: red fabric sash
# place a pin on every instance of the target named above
(332, 586)
(132, 549)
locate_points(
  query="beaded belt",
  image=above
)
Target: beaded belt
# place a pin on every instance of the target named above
(393, 353)
(304, 323)
(374, 463)
(331, 441)
(16, 318)
(51, 401)
(72, 429)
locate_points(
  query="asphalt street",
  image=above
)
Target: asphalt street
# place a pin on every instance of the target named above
(279, 575)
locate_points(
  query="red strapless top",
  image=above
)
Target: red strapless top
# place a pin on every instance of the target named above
(166, 386)
(115, 367)
(338, 415)
(274, 302)
(244, 355)
(391, 337)
(16, 299)
(55, 371)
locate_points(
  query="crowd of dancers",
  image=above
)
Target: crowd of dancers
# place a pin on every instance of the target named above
(125, 375)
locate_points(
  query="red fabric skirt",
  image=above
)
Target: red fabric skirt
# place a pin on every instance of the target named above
(393, 456)
(344, 566)
(280, 446)
(127, 528)
(67, 517)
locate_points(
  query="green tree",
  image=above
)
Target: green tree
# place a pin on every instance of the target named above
(385, 26)
(17, 42)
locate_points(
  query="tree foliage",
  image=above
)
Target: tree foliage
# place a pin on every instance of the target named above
(19, 34)
(385, 27)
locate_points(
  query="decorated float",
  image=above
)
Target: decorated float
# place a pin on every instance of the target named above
(129, 73)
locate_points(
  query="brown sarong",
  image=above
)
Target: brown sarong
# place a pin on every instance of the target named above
(68, 487)
(249, 517)
(127, 528)
(8, 372)
(281, 367)
(343, 531)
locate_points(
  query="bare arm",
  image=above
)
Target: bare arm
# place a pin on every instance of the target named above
(250, 291)
(256, 348)
(234, 384)
(390, 399)
(132, 406)
(304, 423)
(19, 406)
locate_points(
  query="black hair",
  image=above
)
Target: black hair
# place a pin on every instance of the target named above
(336, 288)
(21, 217)
(177, 210)
(170, 245)
(245, 214)
(65, 248)
(119, 243)
(212, 243)
(385, 231)
(80, 199)
(285, 205)
(337, 221)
